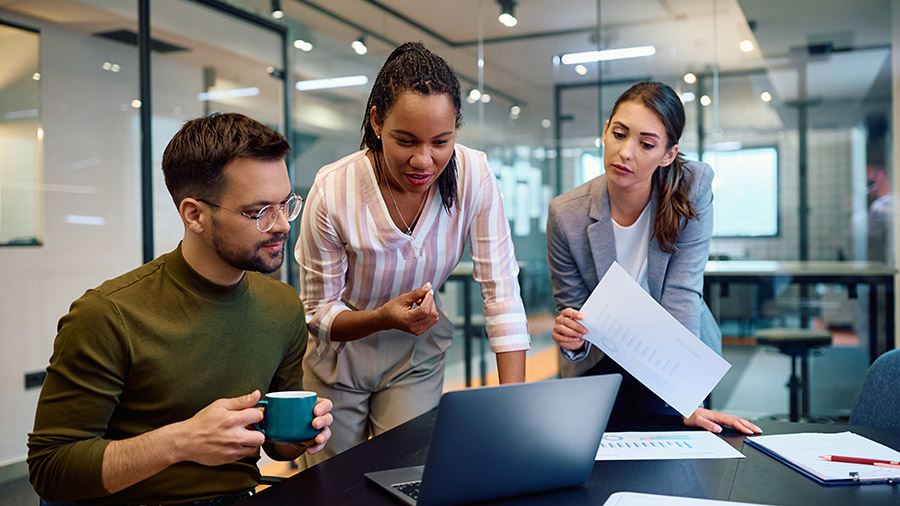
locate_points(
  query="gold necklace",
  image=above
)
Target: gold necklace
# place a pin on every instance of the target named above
(391, 193)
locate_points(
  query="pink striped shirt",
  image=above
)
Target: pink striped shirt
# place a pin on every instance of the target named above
(352, 255)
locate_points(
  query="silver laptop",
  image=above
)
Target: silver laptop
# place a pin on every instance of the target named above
(508, 440)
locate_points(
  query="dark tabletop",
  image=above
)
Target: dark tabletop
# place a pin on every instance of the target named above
(757, 478)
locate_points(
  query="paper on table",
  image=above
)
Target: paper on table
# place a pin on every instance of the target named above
(804, 449)
(627, 324)
(637, 499)
(664, 446)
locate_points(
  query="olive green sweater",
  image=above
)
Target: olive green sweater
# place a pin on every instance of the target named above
(150, 348)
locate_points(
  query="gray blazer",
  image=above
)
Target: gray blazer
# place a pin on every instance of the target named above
(581, 247)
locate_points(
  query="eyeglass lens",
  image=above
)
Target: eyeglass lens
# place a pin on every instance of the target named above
(269, 214)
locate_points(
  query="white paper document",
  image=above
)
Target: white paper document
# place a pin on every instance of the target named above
(638, 499)
(803, 451)
(641, 336)
(694, 444)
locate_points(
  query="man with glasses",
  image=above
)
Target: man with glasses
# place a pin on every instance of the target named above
(155, 374)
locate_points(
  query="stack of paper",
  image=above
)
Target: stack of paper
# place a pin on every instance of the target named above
(803, 452)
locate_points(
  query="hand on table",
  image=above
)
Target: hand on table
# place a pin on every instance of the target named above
(567, 332)
(713, 421)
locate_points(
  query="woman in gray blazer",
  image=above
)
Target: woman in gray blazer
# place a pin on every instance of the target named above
(652, 212)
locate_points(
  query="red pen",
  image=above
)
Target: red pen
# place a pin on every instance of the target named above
(858, 460)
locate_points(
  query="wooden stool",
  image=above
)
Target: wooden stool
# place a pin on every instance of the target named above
(796, 343)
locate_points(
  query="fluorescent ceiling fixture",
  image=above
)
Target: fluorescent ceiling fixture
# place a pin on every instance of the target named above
(688, 96)
(608, 54)
(334, 82)
(27, 113)
(97, 221)
(220, 94)
(725, 146)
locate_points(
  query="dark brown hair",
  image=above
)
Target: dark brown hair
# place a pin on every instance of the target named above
(193, 161)
(412, 67)
(674, 208)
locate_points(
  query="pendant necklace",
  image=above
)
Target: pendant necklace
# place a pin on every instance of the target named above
(409, 227)
(418, 213)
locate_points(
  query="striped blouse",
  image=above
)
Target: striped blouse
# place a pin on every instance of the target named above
(351, 254)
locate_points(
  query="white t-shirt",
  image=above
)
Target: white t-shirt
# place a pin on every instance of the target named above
(633, 245)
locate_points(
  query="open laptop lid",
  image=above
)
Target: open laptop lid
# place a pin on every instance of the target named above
(515, 439)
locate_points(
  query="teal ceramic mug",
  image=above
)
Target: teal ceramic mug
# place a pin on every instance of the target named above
(288, 416)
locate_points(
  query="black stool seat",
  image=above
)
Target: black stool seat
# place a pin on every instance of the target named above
(796, 343)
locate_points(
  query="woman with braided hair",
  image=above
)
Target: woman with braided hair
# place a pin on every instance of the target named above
(652, 213)
(383, 228)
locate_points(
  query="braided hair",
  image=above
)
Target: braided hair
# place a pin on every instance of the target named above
(412, 67)
(674, 208)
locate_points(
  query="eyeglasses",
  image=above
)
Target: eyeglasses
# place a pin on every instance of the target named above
(268, 215)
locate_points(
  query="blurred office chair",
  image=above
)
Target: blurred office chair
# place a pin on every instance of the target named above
(798, 344)
(878, 404)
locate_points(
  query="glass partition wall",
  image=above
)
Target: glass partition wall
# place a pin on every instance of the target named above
(73, 206)
(792, 111)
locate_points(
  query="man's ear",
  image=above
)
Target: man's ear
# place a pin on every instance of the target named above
(194, 214)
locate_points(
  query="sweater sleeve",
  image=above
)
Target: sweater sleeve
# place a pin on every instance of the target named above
(85, 377)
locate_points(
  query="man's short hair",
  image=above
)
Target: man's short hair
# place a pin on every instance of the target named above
(193, 161)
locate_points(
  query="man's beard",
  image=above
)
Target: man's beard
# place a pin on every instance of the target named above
(250, 260)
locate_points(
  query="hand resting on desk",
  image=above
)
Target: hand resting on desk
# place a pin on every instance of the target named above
(713, 421)
(569, 334)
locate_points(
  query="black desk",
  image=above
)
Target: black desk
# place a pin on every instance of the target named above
(808, 273)
(758, 478)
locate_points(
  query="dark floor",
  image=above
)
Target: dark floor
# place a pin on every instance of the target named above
(17, 493)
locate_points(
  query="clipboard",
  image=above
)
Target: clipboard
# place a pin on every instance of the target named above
(801, 452)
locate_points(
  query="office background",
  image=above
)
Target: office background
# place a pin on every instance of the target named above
(790, 101)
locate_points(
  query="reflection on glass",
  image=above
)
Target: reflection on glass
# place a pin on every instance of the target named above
(21, 137)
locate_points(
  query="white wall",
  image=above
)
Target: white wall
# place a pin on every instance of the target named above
(90, 169)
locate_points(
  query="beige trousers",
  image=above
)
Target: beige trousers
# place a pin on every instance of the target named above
(375, 383)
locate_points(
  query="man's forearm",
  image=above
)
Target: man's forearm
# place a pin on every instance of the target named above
(128, 461)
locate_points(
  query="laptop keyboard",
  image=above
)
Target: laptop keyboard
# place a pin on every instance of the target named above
(411, 489)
